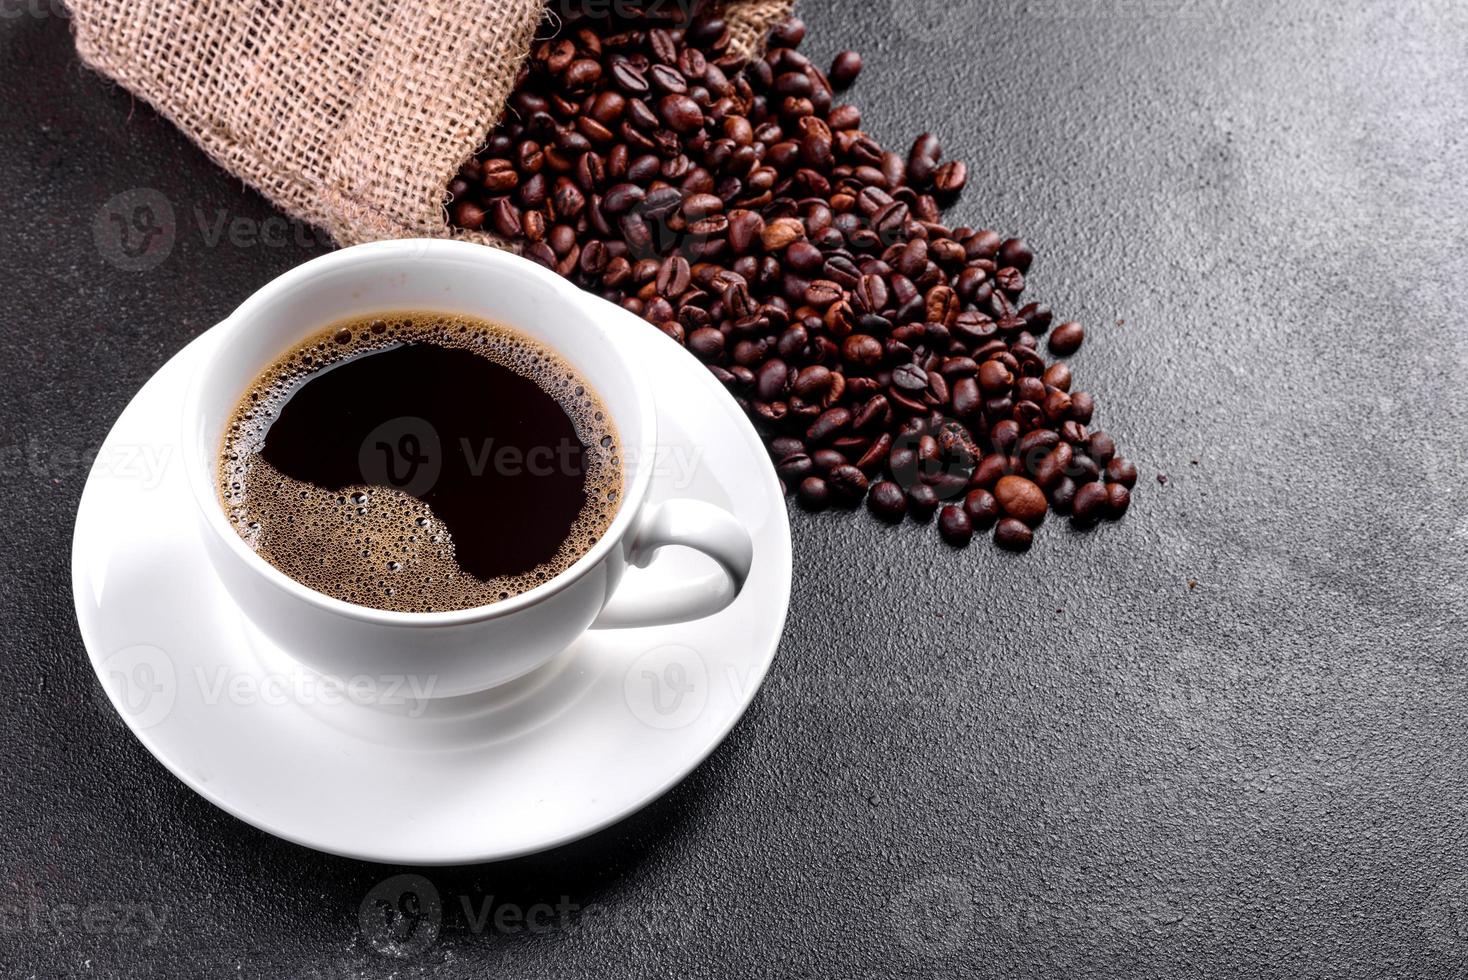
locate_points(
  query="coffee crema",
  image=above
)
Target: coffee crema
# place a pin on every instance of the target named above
(419, 462)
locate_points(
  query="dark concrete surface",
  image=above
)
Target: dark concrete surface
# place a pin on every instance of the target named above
(1223, 738)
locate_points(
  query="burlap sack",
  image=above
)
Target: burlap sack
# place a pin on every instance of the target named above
(350, 115)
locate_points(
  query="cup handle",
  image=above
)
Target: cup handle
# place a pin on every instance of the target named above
(694, 524)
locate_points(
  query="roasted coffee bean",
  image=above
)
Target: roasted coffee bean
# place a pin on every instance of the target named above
(967, 399)
(707, 343)
(1118, 499)
(1120, 470)
(995, 378)
(887, 501)
(862, 351)
(1083, 469)
(1057, 376)
(667, 78)
(910, 377)
(922, 159)
(1073, 432)
(950, 178)
(783, 447)
(746, 215)
(954, 525)
(1053, 466)
(680, 113)
(848, 483)
(582, 73)
(814, 493)
(781, 232)
(788, 33)
(981, 507)
(1030, 390)
(1004, 435)
(1100, 447)
(773, 379)
(1020, 498)
(745, 230)
(1013, 535)
(795, 467)
(674, 276)
(827, 460)
(1016, 253)
(804, 257)
(1057, 406)
(922, 501)
(1081, 407)
(622, 197)
(1091, 503)
(469, 215)
(1034, 444)
(989, 469)
(1067, 338)
(1063, 495)
(830, 423)
(845, 69)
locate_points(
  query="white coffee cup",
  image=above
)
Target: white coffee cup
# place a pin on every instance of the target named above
(472, 649)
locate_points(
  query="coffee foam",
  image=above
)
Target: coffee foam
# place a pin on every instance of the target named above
(377, 546)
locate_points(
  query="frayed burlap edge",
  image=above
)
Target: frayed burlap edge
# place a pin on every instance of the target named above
(351, 117)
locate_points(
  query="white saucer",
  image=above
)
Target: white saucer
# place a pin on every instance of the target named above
(610, 725)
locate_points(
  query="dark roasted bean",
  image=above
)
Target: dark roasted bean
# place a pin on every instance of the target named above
(1057, 376)
(1100, 447)
(1013, 535)
(848, 482)
(773, 379)
(995, 378)
(950, 178)
(680, 113)
(1067, 338)
(955, 526)
(1120, 470)
(922, 501)
(467, 214)
(814, 493)
(783, 447)
(1016, 253)
(707, 343)
(1082, 407)
(910, 377)
(1118, 499)
(845, 68)
(828, 425)
(827, 460)
(981, 507)
(887, 501)
(1063, 495)
(794, 467)
(1091, 503)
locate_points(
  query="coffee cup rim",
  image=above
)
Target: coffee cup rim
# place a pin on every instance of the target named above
(199, 471)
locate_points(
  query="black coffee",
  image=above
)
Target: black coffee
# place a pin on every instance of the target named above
(420, 462)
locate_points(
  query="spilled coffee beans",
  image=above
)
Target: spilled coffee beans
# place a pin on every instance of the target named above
(884, 355)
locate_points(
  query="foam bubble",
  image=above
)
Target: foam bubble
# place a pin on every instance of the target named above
(377, 546)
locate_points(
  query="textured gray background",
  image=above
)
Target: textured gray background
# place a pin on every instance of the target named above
(1074, 763)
